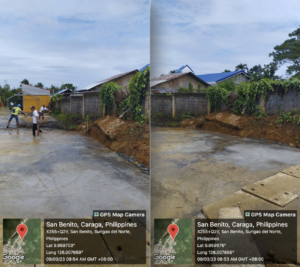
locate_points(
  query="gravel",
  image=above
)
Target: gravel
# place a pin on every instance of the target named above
(133, 161)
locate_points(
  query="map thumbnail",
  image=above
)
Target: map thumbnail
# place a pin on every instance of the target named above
(169, 251)
(16, 250)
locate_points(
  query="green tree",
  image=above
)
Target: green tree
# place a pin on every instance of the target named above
(54, 88)
(269, 71)
(199, 88)
(288, 53)
(25, 81)
(39, 85)
(5, 93)
(227, 71)
(256, 69)
(241, 67)
(172, 71)
(68, 86)
(107, 95)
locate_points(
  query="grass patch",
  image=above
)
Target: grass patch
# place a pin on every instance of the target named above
(71, 121)
(162, 119)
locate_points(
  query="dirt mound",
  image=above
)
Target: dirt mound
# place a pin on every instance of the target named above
(268, 128)
(192, 123)
(109, 126)
(123, 136)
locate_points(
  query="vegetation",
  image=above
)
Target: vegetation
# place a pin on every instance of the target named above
(248, 92)
(70, 121)
(107, 95)
(39, 85)
(137, 91)
(183, 90)
(162, 119)
(288, 53)
(241, 67)
(57, 97)
(6, 92)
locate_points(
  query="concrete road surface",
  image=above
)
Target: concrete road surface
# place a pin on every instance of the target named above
(192, 168)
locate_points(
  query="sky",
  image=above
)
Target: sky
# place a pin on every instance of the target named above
(72, 41)
(211, 36)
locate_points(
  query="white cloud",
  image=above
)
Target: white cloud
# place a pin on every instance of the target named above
(72, 41)
(211, 36)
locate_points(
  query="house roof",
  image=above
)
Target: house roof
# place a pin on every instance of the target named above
(61, 91)
(217, 77)
(146, 66)
(169, 77)
(182, 67)
(106, 80)
(34, 90)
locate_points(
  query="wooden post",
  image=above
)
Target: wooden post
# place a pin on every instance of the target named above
(208, 107)
(114, 108)
(173, 106)
(103, 112)
(70, 104)
(87, 124)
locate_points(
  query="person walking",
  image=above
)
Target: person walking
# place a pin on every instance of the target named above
(14, 114)
(35, 120)
(41, 113)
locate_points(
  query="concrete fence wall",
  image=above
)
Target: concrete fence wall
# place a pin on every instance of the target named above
(197, 103)
(161, 104)
(89, 104)
(191, 103)
(178, 104)
(81, 104)
(283, 102)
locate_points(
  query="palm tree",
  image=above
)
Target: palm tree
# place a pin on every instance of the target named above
(241, 67)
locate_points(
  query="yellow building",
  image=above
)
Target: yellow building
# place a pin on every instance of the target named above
(34, 96)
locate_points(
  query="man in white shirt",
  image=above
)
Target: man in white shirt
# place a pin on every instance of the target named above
(35, 116)
(41, 113)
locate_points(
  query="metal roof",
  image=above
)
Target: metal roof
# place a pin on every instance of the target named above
(217, 77)
(164, 90)
(146, 66)
(33, 90)
(61, 91)
(106, 80)
(169, 77)
(182, 67)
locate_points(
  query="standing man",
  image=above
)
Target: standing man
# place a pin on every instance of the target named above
(35, 120)
(41, 113)
(14, 114)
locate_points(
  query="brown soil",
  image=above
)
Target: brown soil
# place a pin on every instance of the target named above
(247, 126)
(122, 136)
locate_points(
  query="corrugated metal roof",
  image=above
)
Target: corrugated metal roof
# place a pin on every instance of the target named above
(217, 77)
(33, 90)
(146, 66)
(107, 80)
(61, 91)
(164, 90)
(182, 67)
(169, 77)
